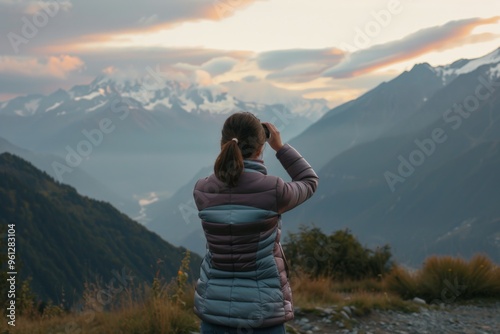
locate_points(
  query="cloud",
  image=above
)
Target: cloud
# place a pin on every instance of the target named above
(180, 59)
(479, 38)
(55, 66)
(298, 73)
(218, 66)
(220, 9)
(97, 21)
(151, 75)
(16, 84)
(109, 70)
(134, 63)
(148, 20)
(261, 91)
(298, 65)
(450, 35)
(281, 59)
(205, 73)
(201, 78)
(31, 7)
(214, 66)
(186, 67)
(251, 78)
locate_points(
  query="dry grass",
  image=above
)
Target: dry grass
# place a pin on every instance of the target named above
(309, 293)
(365, 295)
(167, 308)
(438, 275)
(366, 285)
(162, 307)
(483, 277)
(155, 315)
(365, 302)
(401, 282)
(440, 280)
(447, 279)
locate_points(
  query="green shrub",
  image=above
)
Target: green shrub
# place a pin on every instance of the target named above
(339, 255)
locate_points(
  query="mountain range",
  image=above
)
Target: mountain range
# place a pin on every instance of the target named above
(152, 132)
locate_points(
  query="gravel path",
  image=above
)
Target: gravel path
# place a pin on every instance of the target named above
(446, 319)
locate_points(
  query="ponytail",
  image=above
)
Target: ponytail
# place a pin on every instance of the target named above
(229, 164)
(242, 136)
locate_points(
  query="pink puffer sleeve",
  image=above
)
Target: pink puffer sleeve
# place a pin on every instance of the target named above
(304, 179)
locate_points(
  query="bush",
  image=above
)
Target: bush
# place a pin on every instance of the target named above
(483, 278)
(447, 279)
(442, 278)
(338, 255)
(401, 282)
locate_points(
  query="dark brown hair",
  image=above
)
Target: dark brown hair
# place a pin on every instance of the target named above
(248, 130)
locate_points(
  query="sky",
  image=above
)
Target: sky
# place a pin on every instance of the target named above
(258, 50)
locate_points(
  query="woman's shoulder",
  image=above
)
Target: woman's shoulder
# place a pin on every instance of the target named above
(207, 181)
(248, 182)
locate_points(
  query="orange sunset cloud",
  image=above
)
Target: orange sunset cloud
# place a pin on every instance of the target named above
(448, 36)
(54, 66)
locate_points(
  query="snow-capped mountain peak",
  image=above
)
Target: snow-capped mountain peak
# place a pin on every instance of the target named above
(155, 95)
(464, 66)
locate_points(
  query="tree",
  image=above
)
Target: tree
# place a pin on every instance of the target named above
(339, 255)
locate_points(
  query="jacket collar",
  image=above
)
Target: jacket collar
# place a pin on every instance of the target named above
(255, 165)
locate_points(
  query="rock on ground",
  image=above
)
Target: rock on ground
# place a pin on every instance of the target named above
(447, 319)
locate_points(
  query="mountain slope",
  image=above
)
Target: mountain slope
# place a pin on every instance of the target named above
(392, 108)
(366, 117)
(65, 239)
(179, 211)
(446, 202)
(78, 179)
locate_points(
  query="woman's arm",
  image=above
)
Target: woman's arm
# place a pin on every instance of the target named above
(304, 179)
